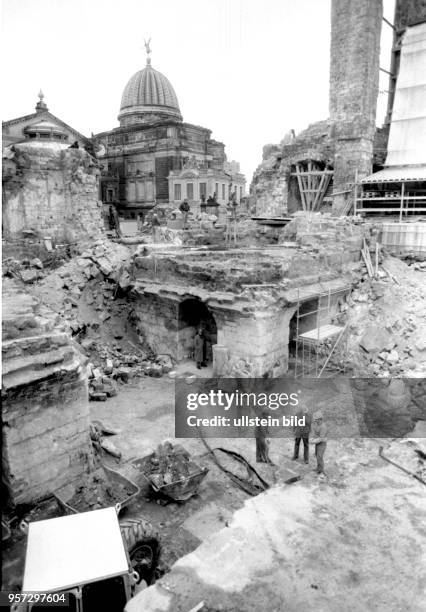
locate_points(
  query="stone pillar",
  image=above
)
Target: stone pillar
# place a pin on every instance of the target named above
(220, 360)
(45, 412)
(354, 86)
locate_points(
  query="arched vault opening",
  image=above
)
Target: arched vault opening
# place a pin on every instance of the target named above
(194, 314)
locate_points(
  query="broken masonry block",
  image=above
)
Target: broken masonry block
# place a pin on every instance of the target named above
(97, 397)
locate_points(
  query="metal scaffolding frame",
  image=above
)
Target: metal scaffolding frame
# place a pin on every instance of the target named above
(315, 347)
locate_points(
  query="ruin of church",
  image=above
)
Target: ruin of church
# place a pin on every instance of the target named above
(123, 486)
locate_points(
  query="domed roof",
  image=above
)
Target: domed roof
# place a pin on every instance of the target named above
(149, 91)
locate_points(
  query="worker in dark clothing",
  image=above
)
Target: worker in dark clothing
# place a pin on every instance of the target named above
(155, 226)
(261, 433)
(184, 209)
(319, 433)
(301, 432)
(114, 221)
(199, 349)
(262, 444)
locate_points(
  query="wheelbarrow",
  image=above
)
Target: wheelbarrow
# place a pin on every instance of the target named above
(179, 490)
(126, 490)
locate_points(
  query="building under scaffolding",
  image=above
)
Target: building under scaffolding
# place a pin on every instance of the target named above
(400, 188)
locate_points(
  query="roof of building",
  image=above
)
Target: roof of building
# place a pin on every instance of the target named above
(46, 120)
(149, 91)
(44, 126)
(396, 174)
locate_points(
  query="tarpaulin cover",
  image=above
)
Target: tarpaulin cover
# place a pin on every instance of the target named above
(407, 138)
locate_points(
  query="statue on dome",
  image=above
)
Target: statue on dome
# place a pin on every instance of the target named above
(147, 46)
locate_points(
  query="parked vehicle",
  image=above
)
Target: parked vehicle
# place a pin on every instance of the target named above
(91, 558)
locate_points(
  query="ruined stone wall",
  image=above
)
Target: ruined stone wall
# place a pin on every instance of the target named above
(254, 346)
(51, 191)
(345, 142)
(409, 13)
(45, 414)
(273, 191)
(354, 84)
(158, 324)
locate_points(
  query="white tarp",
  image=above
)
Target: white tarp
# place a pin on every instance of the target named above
(407, 138)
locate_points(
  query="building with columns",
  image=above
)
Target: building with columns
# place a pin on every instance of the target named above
(155, 157)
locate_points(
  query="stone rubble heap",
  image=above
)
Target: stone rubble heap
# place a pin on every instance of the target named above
(87, 293)
(109, 365)
(387, 321)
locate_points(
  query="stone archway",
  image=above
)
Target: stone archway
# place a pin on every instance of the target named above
(192, 314)
(307, 313)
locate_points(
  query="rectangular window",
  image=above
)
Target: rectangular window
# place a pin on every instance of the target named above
(241, 193)
(203, 189)
(216, 188)
(223, 191)
(190, 191)
(178, 191)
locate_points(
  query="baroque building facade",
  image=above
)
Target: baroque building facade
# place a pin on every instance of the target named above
(41, 126)
(155, 157)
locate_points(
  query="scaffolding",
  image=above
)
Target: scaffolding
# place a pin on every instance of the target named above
(315, 347)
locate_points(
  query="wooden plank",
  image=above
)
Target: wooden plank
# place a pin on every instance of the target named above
(321, 190)
(316, 172)
(299, 181)
(364, 256)
(305, 188)
(326, 186)
(321, 333)
(309, 178)
(377, 257)
(303, 182)
(391, 276)
(394, 209)
(367, 259)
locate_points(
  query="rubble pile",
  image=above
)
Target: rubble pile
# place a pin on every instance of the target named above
(318, 231)
(26, 270)
(110, 365)
(90, 295)
(169, 464)
(387, 320)
(95, 491)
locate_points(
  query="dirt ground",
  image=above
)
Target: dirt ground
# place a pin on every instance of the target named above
(144, 413)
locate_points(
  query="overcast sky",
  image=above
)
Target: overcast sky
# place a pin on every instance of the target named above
(249, 70)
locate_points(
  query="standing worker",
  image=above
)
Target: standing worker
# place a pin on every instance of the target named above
(301, 432)
(139, 221)
(261, 433)
(184, 209)
(155, 224)
(319, 432)
(199, 348)
(114, 221)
